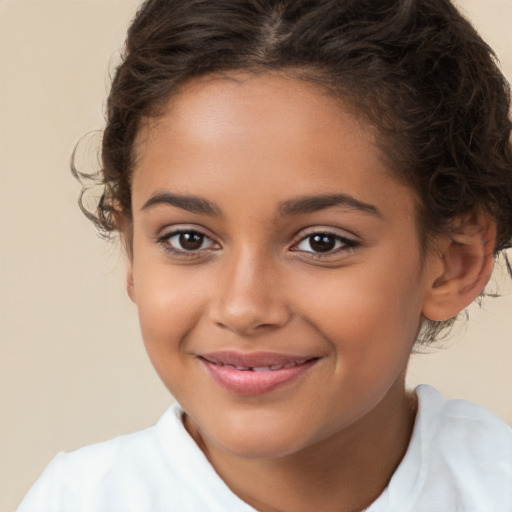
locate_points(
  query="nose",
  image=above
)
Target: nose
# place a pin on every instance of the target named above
(249, 300)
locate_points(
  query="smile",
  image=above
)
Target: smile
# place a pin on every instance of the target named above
(254, 374)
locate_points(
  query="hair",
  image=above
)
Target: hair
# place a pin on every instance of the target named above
(415, 69)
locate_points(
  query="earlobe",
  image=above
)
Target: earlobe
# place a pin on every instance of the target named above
(464, 266)
(130, 288)
(125, 228)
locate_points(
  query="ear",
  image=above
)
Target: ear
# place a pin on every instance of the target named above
(463, 267)
(125, 228)
(130, 288)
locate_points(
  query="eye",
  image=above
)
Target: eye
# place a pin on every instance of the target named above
(320, 243)
(186, 242)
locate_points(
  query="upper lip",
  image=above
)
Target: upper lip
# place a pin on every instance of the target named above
(254, 359)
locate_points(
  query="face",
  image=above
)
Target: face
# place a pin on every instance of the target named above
(276, 265)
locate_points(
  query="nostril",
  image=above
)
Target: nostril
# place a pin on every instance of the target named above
(250, 322)
(245, 302)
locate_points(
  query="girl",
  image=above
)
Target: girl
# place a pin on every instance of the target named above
(305, 190)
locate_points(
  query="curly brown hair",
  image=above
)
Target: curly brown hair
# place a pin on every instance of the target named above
(415, 69)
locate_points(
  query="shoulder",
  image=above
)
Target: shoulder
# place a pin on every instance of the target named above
(451, 424)
(160, 469)
(459, 458)
(133, 452)
(100, 473)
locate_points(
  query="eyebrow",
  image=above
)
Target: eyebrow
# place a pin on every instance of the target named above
(296, 206)
(310, 204)
(185, 202)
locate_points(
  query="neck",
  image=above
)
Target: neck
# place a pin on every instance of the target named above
(345, 472)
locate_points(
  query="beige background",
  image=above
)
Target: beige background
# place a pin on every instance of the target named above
(72, 367)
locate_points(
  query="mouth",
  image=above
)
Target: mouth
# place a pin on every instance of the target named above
(256, 373)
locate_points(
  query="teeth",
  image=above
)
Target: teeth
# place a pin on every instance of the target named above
(263, 368)
(236, 367)
(278, 366)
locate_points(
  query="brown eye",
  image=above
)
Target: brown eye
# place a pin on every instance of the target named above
(322, 242)
(190, 241)
(325, 243)
(186, 242)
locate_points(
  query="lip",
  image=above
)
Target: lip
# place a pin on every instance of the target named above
(255, 373)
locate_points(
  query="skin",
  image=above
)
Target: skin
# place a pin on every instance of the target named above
(331, 439)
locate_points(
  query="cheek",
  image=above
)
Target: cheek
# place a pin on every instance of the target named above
(167, 315)
(366, 312)
(169, 304)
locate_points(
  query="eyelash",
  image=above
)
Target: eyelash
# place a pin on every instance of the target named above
(344, 244)
(164, 242)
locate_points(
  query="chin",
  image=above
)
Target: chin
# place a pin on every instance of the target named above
(266, 438)
(257, 447)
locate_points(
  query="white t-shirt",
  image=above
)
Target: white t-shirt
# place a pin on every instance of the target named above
(459, 460)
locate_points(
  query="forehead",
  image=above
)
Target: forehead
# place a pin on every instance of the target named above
(245, 106)
(268, 134)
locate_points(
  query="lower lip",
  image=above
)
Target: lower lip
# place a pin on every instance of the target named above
(251, 383)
